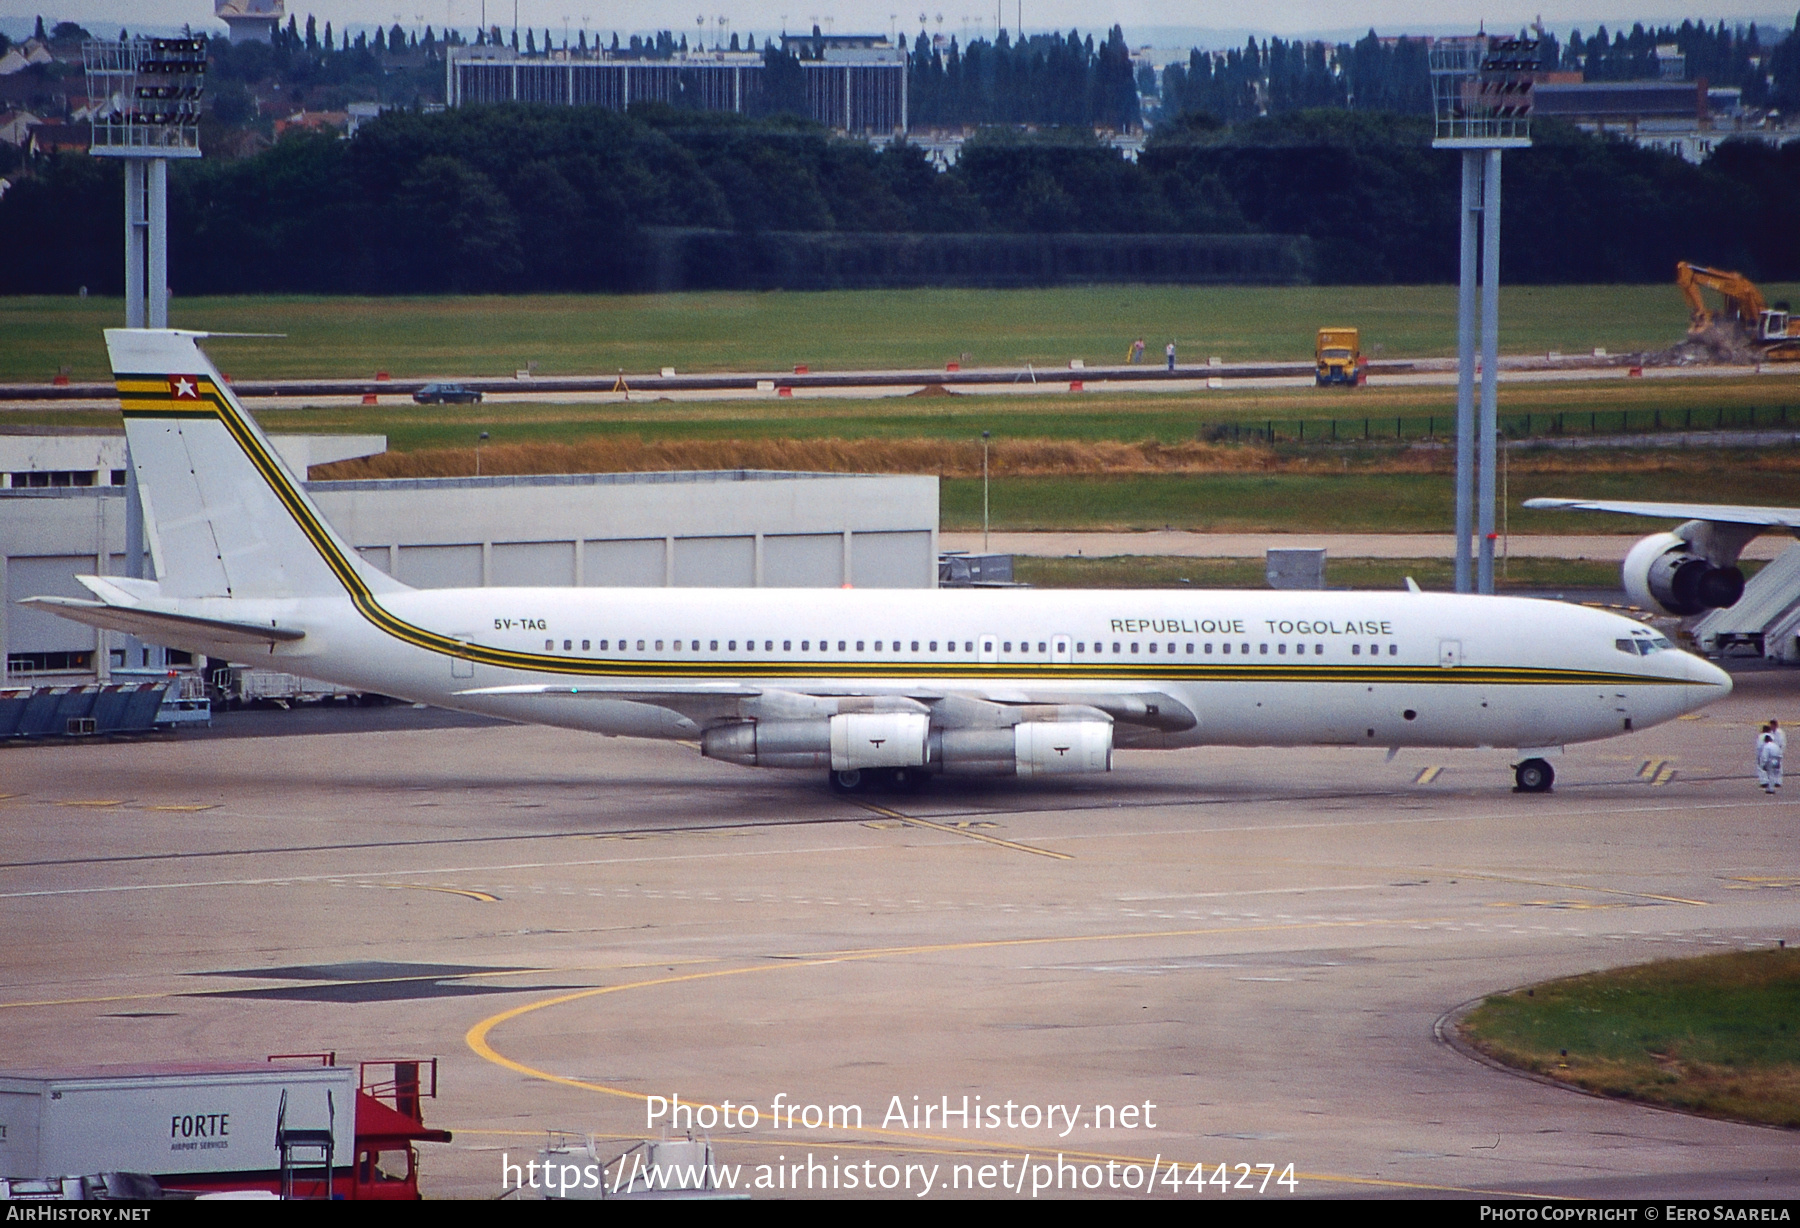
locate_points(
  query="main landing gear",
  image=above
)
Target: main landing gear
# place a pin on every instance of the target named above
(1533, 776)
(878, 780)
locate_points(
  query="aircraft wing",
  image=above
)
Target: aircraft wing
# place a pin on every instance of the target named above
(1718, 513)
(700, 700)
(158, 625)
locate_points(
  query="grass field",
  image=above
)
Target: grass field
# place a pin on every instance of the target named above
(838, 330)
(1132, 417)
(1718, 1035)
(1346, 503)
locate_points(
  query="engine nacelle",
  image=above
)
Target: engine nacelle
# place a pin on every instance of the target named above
(1662, 571)
(1029, 748)
(843, 743)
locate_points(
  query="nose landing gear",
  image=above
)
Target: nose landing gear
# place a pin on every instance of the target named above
(1533, 776)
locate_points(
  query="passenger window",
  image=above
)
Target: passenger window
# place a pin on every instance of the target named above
(676, 645)
(1134, 647)
(768, 645)
(1356, 650)
(840, 645)
(1006, 647)
(1262, 649)
(933, 645)
(1081, 646)
(968, 645)
(1209, 648)
(584, 646)
(1393, 650)
(659, 645)
(1190, 650)
(549, 644)
(859, 645)
(787, 645)
(1041, 646)
(602, 645)
(712, 645)
(1318, 650)
(640, 647)
(695, 645)
(1152, 647)
(805, 644)
(1227, 648)
(731, 645)
(915, 646)
(567, 645)
(1281, 649)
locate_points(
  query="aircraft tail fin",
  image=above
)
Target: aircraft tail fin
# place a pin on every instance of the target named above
(224, 515)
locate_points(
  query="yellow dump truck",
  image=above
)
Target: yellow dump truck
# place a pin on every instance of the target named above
(1339, 357)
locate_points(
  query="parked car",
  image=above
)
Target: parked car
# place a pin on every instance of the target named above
(447, 394)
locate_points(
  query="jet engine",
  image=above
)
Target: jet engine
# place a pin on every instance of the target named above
(846, 742)
(1029, 748)
(1665, 572)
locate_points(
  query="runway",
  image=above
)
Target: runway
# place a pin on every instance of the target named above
(1255, 951)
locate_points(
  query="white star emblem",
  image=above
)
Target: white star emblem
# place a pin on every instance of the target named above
(185, 388)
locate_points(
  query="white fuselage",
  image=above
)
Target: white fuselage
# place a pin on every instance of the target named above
(1254, 668)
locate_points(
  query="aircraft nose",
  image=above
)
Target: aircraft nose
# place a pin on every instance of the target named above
(1706, 681)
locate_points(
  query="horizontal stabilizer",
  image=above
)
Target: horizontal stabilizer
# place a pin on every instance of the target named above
(159, 625)
(1718, 513)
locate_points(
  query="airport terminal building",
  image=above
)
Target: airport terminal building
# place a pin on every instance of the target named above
(63, 514)
(853, 84)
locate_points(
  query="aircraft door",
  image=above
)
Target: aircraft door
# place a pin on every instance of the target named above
(988, 645)
(1059, 650)
(1449, 654)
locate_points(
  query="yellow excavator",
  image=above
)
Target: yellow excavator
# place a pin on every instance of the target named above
(1772, 330)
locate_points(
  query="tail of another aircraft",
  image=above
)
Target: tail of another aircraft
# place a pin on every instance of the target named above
(225, 517)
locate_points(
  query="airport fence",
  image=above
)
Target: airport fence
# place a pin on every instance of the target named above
(1428, 428)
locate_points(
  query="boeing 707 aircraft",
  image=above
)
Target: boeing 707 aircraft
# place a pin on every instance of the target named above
(873, 686)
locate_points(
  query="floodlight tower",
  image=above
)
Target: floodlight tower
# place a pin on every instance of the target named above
(1481, 91)
(151, 89)
(148, 92)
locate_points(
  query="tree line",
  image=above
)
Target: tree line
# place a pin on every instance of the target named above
(1273, 77)
(522, 198)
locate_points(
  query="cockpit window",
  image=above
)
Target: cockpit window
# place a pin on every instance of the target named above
(1626, 646)
(1644, 645)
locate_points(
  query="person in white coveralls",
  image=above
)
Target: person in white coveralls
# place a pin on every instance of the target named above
(1768, 757)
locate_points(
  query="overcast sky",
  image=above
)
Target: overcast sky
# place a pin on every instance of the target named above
(1147, 18)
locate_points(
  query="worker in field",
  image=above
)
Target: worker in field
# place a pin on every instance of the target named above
(1170, 351)
(1137, 351)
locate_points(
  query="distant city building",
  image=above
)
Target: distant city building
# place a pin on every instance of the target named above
(1687, 118)
(250, 21)
(853, 83)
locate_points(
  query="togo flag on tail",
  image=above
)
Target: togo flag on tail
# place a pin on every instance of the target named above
(224, 515)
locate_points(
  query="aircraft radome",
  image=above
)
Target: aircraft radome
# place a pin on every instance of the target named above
(877, 687)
